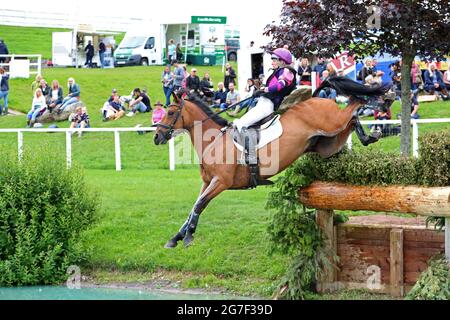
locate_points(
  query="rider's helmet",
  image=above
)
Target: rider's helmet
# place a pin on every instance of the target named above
(283, 54)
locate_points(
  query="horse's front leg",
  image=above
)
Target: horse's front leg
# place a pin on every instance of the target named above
(172, 243)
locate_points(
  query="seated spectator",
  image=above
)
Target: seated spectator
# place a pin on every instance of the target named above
(382, 114)
(72, 97)
(250, 90)
(434, 81)
(193, 82)
(45, 89)
(55, 97)
(36, 83)
(37, 106)
(220, 97)
(206, 88)
(113, 110)
(327, 93)
(447, 78)
(159, 113)
(233, 97)
(140, 103)
(80, 119)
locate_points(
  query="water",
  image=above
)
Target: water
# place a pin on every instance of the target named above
(64, 293)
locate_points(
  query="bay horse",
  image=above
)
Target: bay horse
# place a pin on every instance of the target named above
(315, 125)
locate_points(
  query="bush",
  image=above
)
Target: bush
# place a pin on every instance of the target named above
(43, 209)
(434, 161)
(434, 283)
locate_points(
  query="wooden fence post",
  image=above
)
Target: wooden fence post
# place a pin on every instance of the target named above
(396, 262)
(324, 219)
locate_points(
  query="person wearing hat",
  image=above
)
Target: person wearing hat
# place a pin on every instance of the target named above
(159, 113)
(193, 82)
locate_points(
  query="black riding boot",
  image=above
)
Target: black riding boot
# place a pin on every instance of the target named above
(363, 137)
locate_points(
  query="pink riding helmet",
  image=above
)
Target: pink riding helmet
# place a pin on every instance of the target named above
(283, 54)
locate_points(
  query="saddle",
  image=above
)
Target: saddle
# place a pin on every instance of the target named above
(250, 139)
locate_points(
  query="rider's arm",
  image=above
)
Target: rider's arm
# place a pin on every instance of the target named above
(284, 80)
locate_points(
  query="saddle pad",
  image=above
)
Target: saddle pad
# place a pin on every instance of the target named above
(270, 131)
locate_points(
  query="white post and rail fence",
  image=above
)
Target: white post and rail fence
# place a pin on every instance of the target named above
(22, 65)
(69, 132)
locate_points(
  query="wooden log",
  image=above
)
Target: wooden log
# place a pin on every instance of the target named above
(406, 199)
(396, 262)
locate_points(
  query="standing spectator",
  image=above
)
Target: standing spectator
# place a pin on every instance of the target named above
(141, 103)
(374, 65)
(320, 66)
(56, 96)
(193, 82)
(4, 90)
(101, 53)
(80, 120)
(304, 72)
(179, 53)
(414, 106)
(434, 81)
(233, 97)
(178, 76)
(37, 106)
(230, 76)
(89, 49)
(366, 70)
(416, 78)
(73, 96)
(159, 113)
(396, 77)
(220, 97)
(447, 78)
(167, 79)
(171, 51)
(3, 50)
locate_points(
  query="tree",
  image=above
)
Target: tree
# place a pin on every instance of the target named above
(403, 28)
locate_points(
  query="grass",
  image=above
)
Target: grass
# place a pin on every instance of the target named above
(32, 40)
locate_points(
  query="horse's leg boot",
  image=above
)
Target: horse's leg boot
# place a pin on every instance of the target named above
(189, 237)
(172, 243)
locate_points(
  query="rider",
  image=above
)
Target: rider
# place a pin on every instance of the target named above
(278, 85)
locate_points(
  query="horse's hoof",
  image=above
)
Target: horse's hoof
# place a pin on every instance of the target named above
(188, 240)
(170, 244)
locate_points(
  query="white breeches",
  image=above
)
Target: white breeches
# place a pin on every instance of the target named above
(263, 108)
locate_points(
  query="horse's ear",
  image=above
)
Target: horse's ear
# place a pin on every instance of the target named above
(176, 97)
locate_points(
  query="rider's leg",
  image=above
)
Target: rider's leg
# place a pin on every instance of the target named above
(263, 108)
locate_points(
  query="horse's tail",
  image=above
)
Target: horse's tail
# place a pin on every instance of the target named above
(347, 87)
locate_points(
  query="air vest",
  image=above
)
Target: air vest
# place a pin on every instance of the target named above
(277, 97)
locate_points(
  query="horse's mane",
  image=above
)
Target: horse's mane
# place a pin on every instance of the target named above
(206, 109)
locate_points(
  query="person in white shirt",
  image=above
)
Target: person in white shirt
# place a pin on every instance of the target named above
(37, 106)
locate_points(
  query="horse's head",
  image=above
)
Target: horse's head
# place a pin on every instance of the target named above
(172, 120)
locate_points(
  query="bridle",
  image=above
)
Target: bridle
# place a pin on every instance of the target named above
(170, 128)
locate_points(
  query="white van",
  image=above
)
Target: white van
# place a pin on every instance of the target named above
(139, 49)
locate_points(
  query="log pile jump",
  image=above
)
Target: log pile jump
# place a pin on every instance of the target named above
(381, 253)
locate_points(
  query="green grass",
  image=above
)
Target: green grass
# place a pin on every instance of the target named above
(33, 40)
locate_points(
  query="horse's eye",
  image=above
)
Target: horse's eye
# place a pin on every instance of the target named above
(170, 113)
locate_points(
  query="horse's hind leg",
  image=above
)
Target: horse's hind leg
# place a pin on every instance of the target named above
(214, 188)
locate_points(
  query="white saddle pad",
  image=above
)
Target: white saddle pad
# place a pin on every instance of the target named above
(269, 131)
